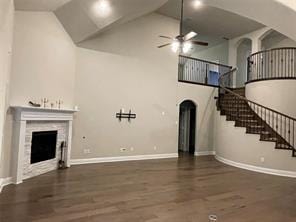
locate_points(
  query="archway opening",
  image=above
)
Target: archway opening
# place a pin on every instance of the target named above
(187, 128)
(244, 50)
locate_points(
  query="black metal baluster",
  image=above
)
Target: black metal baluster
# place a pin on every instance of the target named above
(294, 62)
(281, 125)
(294, 134)
(289, 132)
(285, 129)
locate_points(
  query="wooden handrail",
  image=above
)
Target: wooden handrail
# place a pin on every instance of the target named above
(270, 50)
(205, 61)
(247, 100)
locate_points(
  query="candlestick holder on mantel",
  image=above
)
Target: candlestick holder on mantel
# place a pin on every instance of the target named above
(129, 115)
(44, 102)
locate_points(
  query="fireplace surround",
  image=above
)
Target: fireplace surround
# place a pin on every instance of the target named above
(29, 122)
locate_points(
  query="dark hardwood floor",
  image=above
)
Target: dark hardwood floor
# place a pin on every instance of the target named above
(171, 190)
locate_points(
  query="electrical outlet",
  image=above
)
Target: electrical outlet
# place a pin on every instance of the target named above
(262, 159)
(155, 147)
(132, 149)
(86, 151)
(122, 149)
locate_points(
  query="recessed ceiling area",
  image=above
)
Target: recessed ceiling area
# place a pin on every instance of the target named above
(208, 20)
(84, 19)
(39, 5)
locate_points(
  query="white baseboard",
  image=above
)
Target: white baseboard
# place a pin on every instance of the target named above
(204, 153)
(4, 182)
(257, 169)
(123, 158)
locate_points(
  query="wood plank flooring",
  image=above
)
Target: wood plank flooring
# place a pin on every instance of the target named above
(171, 190)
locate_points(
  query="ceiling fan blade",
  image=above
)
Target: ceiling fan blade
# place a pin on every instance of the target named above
(166, 37)
(161, 46)
(200, 43)
(190, 35)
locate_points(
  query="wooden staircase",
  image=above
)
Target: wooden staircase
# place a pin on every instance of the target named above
(233, 104)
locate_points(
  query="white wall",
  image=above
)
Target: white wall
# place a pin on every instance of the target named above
(275, 94)
(6, 32)
(276, 40)
(43, 64)
(232, 143)
(216, 53)
(127, 71)
(203, 97)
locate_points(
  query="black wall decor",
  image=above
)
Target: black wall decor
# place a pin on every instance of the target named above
(128, 115)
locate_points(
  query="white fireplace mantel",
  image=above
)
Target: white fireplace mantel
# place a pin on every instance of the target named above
(22, 115)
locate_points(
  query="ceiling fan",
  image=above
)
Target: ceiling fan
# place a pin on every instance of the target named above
(182, 43)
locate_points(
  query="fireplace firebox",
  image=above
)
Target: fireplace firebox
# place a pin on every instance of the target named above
(43, 146)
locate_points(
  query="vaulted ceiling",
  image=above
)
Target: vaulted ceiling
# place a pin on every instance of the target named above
(84, 19)
(209, 20)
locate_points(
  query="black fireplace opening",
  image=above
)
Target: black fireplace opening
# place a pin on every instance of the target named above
(43, 146)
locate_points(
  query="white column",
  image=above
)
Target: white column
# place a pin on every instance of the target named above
(18, 149)
(69, 144)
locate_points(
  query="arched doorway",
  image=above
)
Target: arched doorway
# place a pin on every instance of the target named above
(244, 50)
(187, 127)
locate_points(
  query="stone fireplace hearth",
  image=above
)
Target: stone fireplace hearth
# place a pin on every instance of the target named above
(33, 121)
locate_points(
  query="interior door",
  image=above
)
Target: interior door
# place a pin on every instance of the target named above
(184, 130)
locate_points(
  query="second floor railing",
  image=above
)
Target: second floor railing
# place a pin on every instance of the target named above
(278, 63)
(197, 71)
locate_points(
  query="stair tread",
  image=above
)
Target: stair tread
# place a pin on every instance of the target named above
(283, 145)
(255, 126)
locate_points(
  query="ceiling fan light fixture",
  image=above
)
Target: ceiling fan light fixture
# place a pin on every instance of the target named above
(186, 47)
(183, 43)
(175, 46)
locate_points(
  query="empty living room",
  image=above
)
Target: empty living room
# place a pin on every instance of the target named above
(147, 111)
